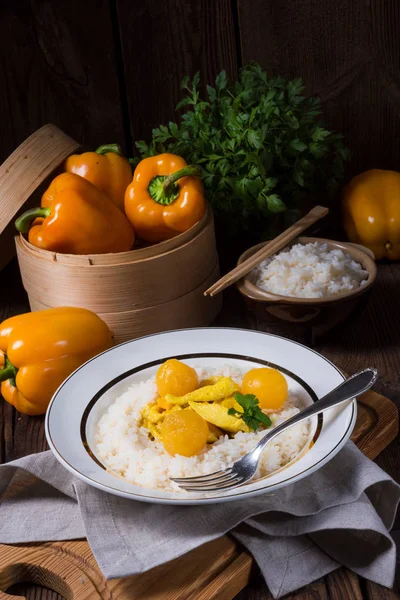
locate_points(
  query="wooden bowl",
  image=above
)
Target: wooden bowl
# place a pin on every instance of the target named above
(321, 312)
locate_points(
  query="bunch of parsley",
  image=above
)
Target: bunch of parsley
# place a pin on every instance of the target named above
(261, 149)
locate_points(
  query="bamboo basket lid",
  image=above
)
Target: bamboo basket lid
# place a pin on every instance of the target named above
(29, 166)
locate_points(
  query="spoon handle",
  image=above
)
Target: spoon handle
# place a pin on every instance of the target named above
(349, 389)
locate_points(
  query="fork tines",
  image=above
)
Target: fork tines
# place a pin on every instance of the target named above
(220, 480)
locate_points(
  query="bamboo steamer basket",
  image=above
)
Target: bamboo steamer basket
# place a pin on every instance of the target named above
(143, 291)
(116, 286)
(191, 310)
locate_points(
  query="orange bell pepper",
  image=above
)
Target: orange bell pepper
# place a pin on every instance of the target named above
(77, 219)
(43, 348)
(371, 212)
(165, 198)
(106, 168)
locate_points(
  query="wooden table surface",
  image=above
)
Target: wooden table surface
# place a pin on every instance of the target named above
(371, 338)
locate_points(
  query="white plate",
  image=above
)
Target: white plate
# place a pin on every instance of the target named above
(86, 394)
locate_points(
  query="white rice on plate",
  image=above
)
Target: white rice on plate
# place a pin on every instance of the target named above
(126, 449)
(309, 271)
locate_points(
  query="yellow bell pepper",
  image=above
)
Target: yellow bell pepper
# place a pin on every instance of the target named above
(43, 348)
(371, 212)
(106, 168)
(75, 217)
(165, 198)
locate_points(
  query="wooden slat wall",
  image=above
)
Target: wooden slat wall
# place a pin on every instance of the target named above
(58, 64)
(348, 53)
(107, 70)
(110, 70)
(164, 41)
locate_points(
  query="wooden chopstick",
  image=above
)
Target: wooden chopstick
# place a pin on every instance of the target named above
(268, 250)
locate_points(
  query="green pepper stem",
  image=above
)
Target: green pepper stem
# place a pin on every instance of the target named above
(164, 189)
(116, 148)
(24, 222)
(8, 371)
(189, 170)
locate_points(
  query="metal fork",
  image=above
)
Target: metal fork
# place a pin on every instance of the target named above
(245, 468)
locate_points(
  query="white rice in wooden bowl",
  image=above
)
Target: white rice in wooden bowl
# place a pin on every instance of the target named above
(126, 449)
(309, 271)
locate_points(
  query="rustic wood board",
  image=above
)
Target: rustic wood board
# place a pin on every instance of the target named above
(216, 571)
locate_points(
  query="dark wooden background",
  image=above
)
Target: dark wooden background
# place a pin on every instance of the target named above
(109, 70)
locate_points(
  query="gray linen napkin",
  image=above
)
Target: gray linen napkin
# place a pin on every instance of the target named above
(339, 515)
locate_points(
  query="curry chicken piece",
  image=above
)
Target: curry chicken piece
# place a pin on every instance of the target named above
(218, 415)
(223, 388)
(211, 390)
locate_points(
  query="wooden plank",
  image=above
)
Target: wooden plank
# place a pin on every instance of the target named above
(315, 591)
(343, 584)
(59, 66)
(227, 583)
(373, 591)
(258, 591)
(390, 463)
(164, 41)
(214, 570)
(34, 592)
(371, 336)
(348, 55)
(377, 424)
